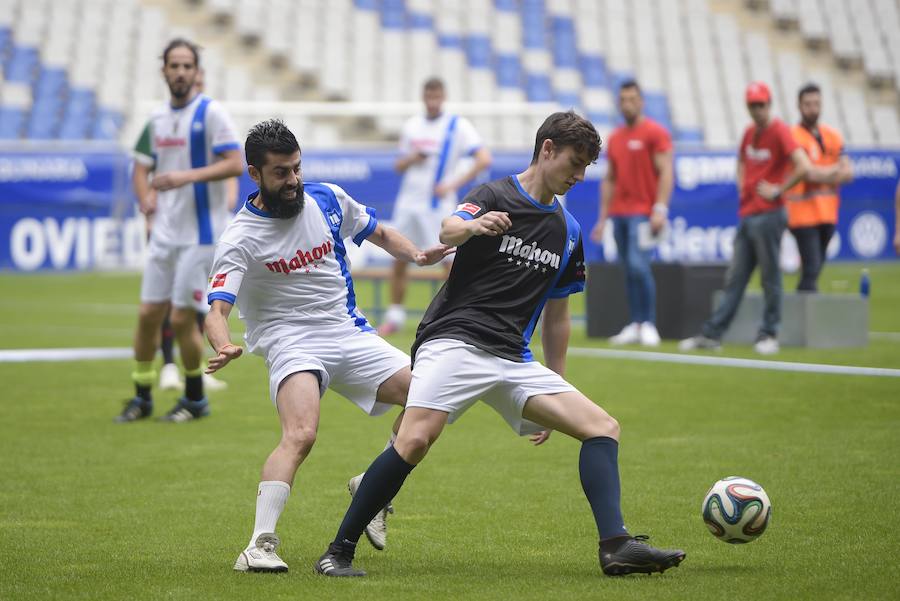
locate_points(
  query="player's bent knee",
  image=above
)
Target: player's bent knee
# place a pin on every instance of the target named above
(413, 447)
(183, 319)
(606, 425)
(299, 441)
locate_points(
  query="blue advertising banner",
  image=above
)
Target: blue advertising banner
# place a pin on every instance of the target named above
(67, 210)
(75, 210)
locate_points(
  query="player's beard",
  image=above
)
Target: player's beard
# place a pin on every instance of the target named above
(276, 204)
(181, 90)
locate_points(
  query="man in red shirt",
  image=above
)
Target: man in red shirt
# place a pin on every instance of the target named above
(764, 172)
(635, 195)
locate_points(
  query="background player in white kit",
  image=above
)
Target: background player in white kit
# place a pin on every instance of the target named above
(283, 261)
(190, 145)
(431, 146)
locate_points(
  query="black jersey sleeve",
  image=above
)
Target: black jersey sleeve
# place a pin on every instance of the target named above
(476, 203)
(572, 279)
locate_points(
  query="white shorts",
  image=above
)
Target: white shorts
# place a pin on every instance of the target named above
(475, 374)
(351, 362)
(421, 224)
(179, 274)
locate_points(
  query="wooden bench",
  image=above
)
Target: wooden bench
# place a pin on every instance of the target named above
(380, 275)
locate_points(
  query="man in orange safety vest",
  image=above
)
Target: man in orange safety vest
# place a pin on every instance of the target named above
(813, 203)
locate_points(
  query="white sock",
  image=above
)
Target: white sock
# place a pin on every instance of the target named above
(395, 314)
(270, 500)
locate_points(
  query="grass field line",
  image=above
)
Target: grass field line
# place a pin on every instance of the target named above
(816, 368)
(893, 336)
(103, 353)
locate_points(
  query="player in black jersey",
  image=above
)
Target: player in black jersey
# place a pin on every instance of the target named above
(519, 254)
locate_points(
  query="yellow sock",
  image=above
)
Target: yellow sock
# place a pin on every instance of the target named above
(143, 374)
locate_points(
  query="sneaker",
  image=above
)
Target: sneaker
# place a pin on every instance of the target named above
(376, 531)
(170, 377)
(135, 409)
(213, 384)
(630, 334)
(636, 556)
(649, 336)
(337, 561)
(766, 345)
(700, 343)
(261, 557)
(185, 411)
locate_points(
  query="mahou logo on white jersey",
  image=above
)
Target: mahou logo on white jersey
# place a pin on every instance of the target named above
(303, 260)
(528, 251)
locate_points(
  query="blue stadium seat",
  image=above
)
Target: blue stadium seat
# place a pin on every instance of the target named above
(689, 136)
(51, 82)
(508, 71)
(568, 100)
(538, 88)
(593, 71)
(81, 103)
(75, 128)
(22, 65)
(478, 51)
(393, 14)
(12, 122)
(565, 53)
(107, 125)
(656, 106)
(366, 4)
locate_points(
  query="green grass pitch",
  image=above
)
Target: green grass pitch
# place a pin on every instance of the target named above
(95, 511)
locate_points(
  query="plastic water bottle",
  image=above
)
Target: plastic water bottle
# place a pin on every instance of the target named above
(864, 283)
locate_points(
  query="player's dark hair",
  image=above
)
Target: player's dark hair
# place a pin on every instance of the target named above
(630, 84)
(433, 83)
(809, 88)
(568, 129)
(269, 136)
(182, 43)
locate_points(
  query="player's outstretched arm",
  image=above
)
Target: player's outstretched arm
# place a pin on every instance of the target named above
(219, 336)
(400, 247)
(456, 231)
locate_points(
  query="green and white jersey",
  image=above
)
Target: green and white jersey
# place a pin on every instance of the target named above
(178, 139)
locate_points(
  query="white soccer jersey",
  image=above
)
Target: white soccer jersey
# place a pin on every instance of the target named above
(445, 140)
(181, 139)
(292, 270)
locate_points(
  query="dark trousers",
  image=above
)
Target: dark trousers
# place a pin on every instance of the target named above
(756, 243)
(812, 242)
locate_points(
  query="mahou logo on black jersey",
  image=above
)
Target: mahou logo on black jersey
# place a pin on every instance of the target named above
(528, 251)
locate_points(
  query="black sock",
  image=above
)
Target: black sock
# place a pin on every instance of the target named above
(193, 387)
(143, 392)
(168, 341)
(381, 483)
(598, 465)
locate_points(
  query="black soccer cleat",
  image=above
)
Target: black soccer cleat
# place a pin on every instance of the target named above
(338, 562)
(185, 411)
(135, 409)
(635, 556)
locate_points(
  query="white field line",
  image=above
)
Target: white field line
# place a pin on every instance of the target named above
(814, 368)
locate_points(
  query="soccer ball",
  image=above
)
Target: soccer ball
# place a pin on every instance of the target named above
(736, 510)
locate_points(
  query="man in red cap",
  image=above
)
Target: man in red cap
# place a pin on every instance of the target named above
(766, 155)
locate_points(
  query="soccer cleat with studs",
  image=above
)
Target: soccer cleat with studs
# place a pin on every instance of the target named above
(185, 411)
(635, 556)
(135, 409)
(376, 530)
(262, 556)
(337, 561)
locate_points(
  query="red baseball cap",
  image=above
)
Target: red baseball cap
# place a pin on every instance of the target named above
(758, 92)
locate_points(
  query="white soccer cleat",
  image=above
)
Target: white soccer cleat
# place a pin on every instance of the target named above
(649, 334)
(261, 557)
(170, 377)
(213, 384)
(376, 531)
(767, 345)
(630, 334)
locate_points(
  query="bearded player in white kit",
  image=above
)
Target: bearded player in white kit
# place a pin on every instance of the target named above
(190, 146)
(282, 260)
